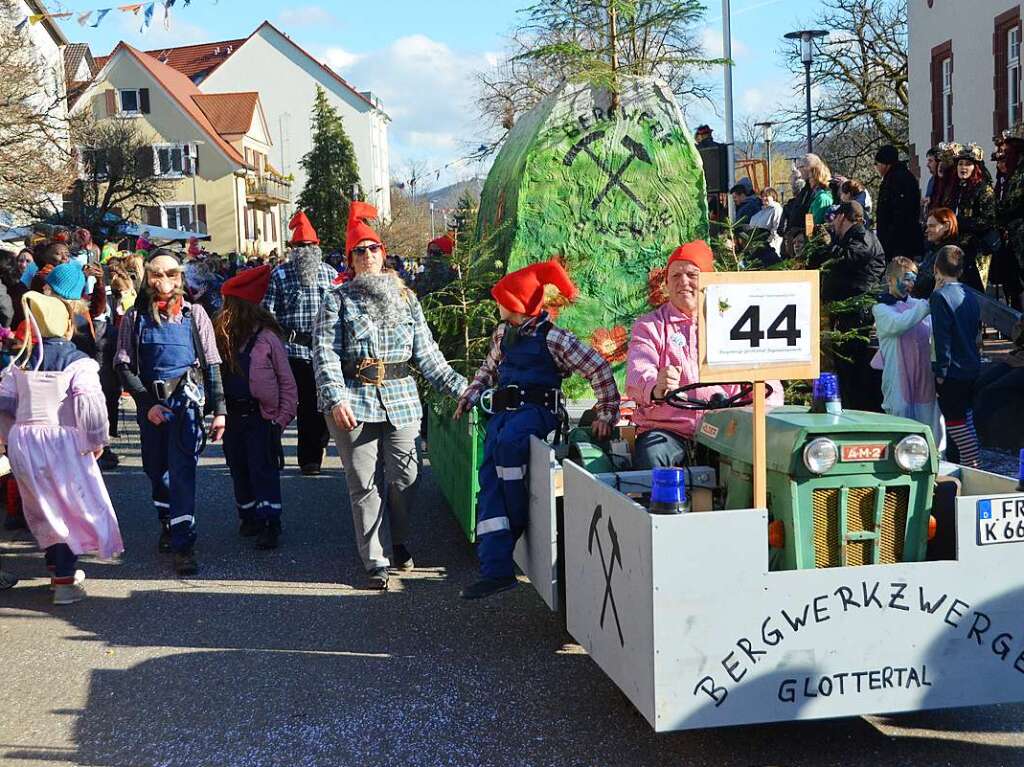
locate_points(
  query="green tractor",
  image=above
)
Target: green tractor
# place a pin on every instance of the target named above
(843, 490)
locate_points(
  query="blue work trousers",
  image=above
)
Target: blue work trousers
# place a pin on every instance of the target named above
(251, 448)
(170, 453)
(503, 506)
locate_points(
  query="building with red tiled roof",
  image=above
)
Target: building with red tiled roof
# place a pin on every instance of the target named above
(286, 77)
(213, 148)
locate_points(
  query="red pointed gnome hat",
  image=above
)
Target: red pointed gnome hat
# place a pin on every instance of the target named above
(696, 252)
(250, 285)
(303, 232)
(523, 291)
(358, 228)
(445, 244)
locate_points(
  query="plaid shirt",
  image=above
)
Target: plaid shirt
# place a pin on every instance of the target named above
(344, 333)
(294, 305)
(570, 356)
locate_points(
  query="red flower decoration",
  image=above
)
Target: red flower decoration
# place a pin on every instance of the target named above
(656, 287)
(611, 344)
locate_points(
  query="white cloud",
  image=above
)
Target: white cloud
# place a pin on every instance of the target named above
(766, 98)
(306, 16)
(435, 140)
(428, 89)
(711, 39)
(339, 59)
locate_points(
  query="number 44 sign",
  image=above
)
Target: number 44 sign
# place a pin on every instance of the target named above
(759, 325)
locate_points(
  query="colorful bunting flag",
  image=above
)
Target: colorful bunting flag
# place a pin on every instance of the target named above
(84, 17)
(147, 19)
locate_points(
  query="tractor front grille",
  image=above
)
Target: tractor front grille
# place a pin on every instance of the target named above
(830, 539)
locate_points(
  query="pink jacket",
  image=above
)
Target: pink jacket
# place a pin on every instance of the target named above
(271, 380)
(661, 338)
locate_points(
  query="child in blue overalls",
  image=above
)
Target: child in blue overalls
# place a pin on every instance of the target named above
(262, 399)
(168, 361)
(529, 358)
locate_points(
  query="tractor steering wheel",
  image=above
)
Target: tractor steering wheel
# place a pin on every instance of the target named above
(718, 401)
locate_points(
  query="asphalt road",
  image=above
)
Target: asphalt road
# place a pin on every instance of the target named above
(279, 658)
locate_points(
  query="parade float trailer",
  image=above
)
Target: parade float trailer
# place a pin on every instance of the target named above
(891, 586)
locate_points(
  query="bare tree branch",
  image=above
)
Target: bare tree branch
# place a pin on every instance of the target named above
(859, 80)
(570, 40)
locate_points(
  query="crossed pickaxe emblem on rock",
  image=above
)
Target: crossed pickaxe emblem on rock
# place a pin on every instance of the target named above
(637, 151)
(607, 567)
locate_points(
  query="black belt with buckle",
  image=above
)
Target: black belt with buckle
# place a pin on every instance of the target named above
(514, 397)
(299, 338)
(375, 372)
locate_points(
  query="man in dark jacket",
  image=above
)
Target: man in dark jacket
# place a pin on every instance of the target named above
(899, 206)
(854, 266)
(747, 203)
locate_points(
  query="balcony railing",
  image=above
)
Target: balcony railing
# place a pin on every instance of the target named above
(267, 189)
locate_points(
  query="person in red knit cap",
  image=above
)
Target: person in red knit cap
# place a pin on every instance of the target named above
(529, 358)
(297, 288)
(662, 357)
(369, 336)
(261, 398)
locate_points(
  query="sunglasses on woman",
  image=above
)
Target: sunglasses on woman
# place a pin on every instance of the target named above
(362, 250)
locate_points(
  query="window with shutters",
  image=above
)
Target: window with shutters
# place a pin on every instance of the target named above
(129, 102)
(1006, 39)
(93, 163)
(1013, 76)
(947, 99)
(178, 217)
(942, 92)
(168, 160)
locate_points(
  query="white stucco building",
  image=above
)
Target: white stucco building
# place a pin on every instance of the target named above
(47, 44)
(965, 72)
(286, 76)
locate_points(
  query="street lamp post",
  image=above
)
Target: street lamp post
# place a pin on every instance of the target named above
(807, 38)
(769, 133)
(730, 139)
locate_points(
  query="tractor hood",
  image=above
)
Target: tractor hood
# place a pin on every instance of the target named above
(859, 434)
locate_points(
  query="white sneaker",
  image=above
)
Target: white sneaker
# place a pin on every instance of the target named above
(79, 579)
(68, 593)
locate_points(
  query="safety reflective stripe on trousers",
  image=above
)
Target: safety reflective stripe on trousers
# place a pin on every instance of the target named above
(492, 525)
(510, 473)
(161, 505)
(183, 518)
(246, 505)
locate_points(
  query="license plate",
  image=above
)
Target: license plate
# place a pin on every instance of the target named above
(866, 452)
(1001, 520)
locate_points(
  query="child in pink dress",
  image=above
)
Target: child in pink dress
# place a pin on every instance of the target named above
(58, 430)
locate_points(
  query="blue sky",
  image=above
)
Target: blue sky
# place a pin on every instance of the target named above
(419, 57)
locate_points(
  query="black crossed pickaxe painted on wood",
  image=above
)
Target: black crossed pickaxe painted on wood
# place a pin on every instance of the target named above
(607, 567)
(637, 151)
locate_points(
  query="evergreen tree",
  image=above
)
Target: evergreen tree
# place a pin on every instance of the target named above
(331, 174)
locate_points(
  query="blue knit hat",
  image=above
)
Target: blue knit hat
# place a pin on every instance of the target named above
(67, 280)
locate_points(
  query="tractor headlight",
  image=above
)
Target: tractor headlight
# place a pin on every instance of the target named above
(820, 455)
(912, 453)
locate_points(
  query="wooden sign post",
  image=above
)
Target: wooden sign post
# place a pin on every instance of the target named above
(756, 326)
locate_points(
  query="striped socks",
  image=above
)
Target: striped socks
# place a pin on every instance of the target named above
(963, 435)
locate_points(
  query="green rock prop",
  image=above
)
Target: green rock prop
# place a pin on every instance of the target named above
(611, 191)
